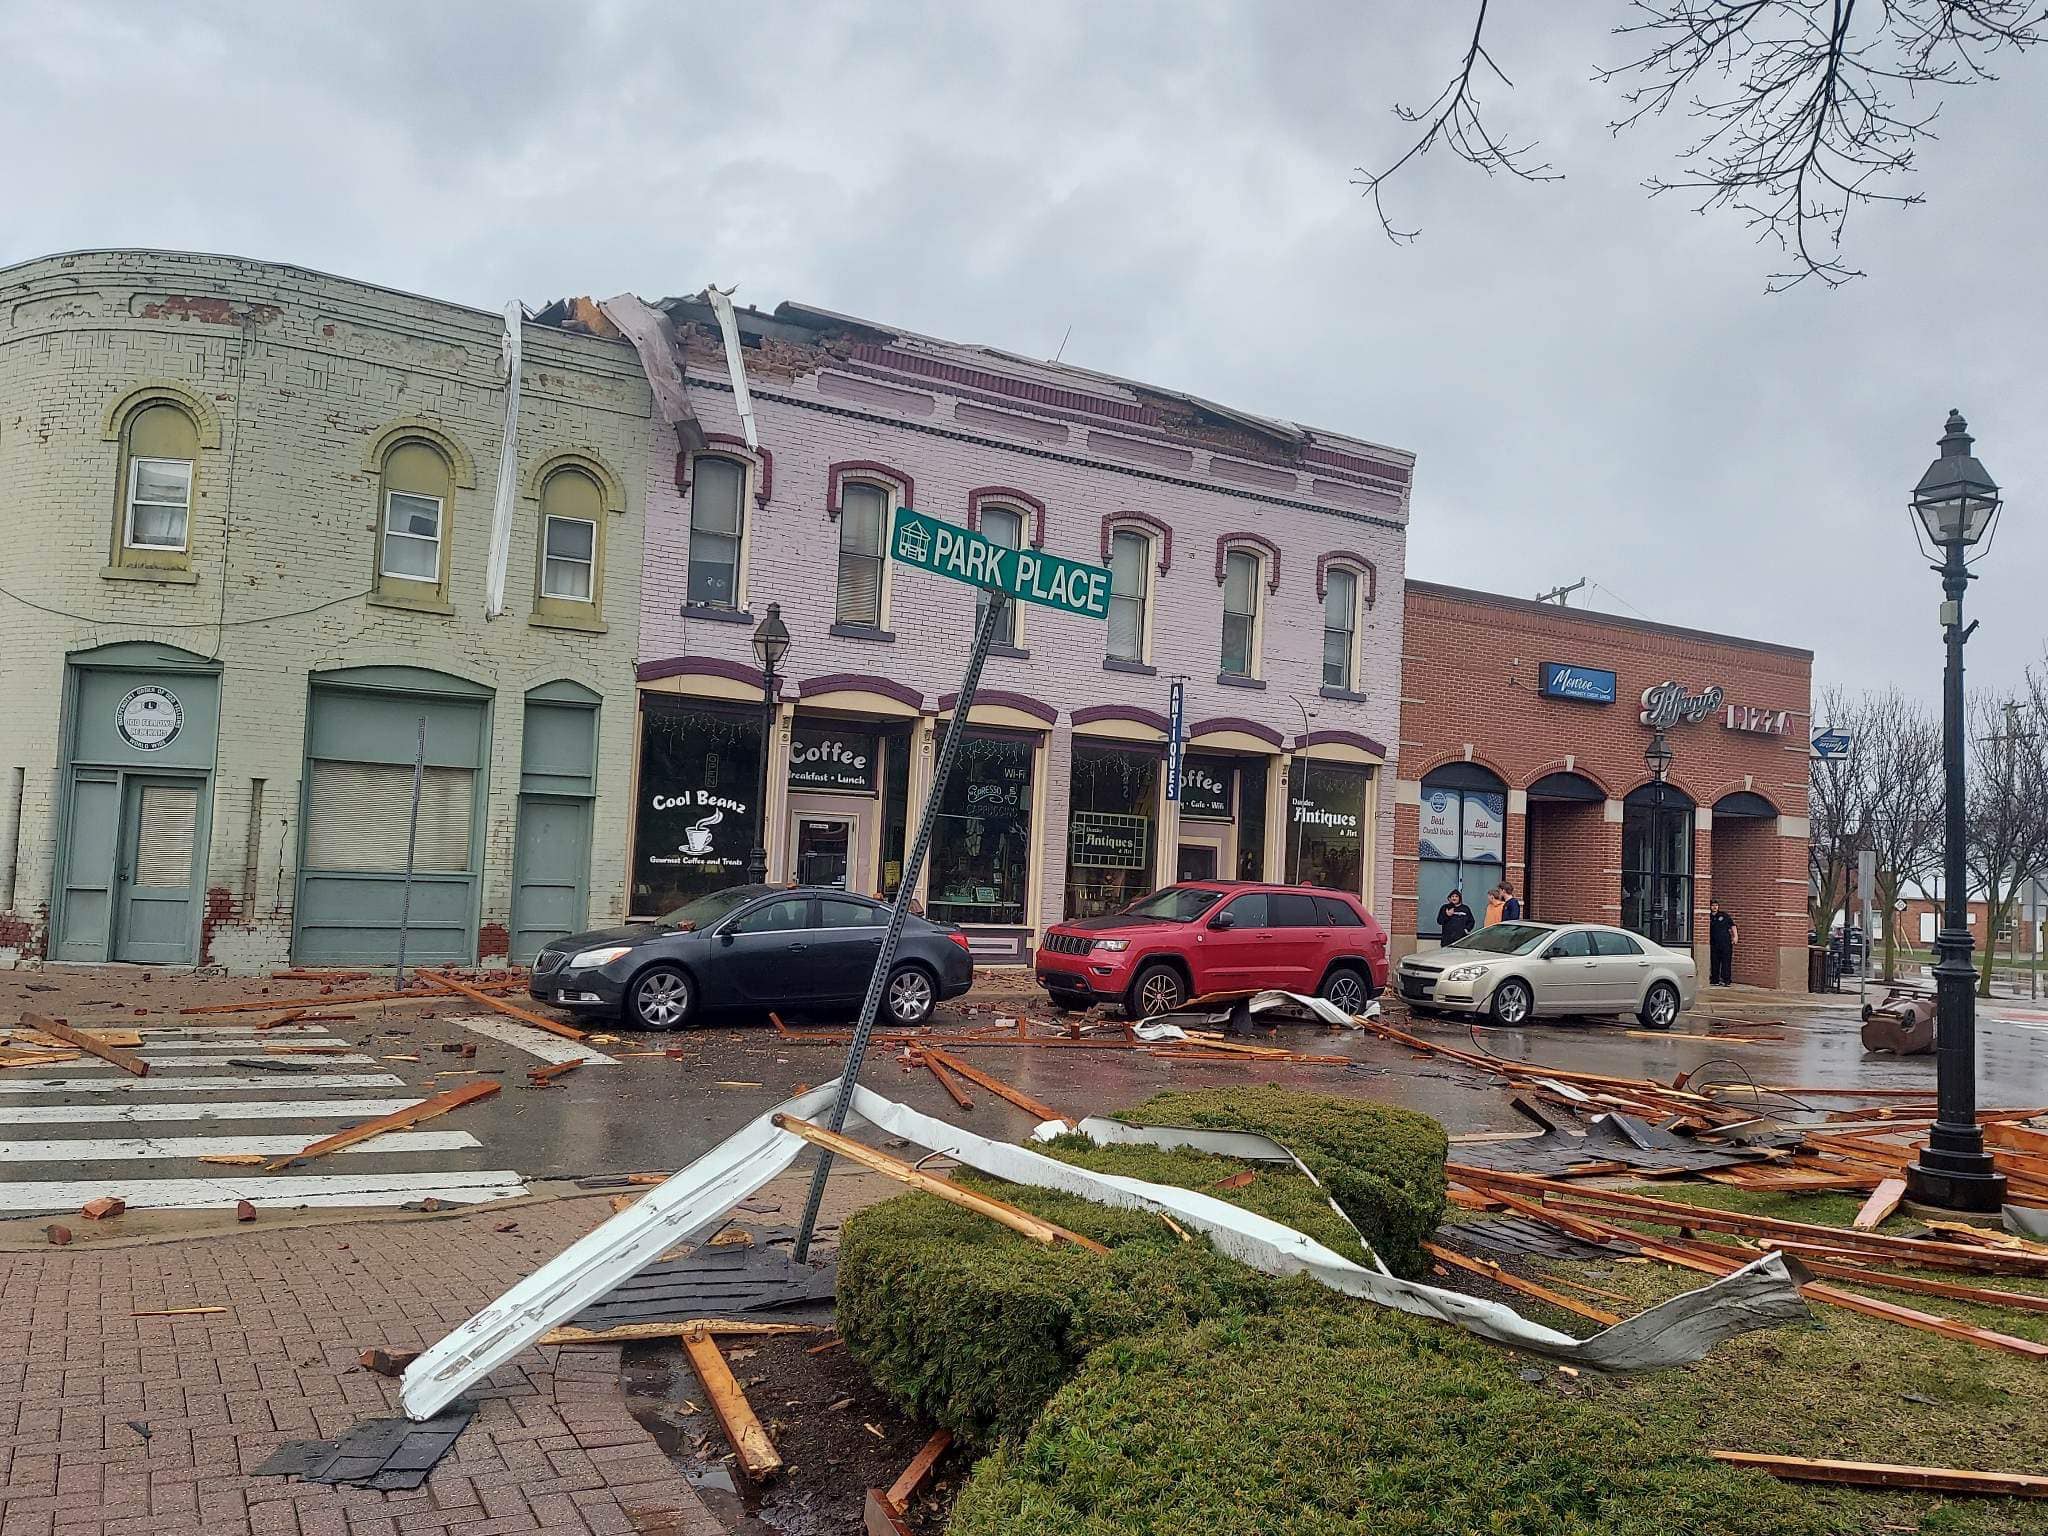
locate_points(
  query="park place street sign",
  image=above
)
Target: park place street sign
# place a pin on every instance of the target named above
(932, 544)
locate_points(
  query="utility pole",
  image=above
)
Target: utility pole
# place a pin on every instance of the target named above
(1558, 595)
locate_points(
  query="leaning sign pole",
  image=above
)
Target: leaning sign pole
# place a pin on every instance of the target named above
(1024, 575)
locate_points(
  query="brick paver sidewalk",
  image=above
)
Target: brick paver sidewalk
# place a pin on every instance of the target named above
(552, 1447)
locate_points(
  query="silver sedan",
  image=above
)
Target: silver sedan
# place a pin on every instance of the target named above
(1519, 971)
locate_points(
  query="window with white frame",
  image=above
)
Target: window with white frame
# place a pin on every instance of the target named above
(1340, 628)
(571, 510)
(717, 526)
(1004, 526)
(159, 503)
(412, 536)
(863, 510)
(1130, 582)
(1241, 571)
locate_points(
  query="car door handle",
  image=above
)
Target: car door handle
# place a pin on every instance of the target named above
(796, 949)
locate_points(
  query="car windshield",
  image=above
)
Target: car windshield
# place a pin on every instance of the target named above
(1175, 904)
(1504, 939)
(709, 908)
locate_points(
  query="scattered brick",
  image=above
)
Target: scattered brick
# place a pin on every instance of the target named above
(244, 1211)
(103, 1208)
(58, 1234)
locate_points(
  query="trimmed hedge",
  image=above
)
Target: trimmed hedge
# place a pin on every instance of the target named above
(1384, 1165)
(1320, 1421)
(974, 1327)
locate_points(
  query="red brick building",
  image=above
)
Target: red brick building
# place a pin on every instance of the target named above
(1523, 730)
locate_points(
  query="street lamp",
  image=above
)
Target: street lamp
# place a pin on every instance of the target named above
(771, 644)
(1657, 758)
(1956, 503)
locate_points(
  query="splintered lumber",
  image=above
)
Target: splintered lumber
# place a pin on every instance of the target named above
(540, 1077)
(35, 1058)
(130, 1038)
(634, 1333)
(1878, 1474)
(1882, 1202)
(757, 1453)
(86, 1041)
(995, 1085)
(426, 1109)
(1487, 1269)
(1977, 1295)
(878, 1519)
(947, 1081)
(1023, 1222)
(290, 1016)
(904, 1489)
(1927, 1322)
(511, 1011)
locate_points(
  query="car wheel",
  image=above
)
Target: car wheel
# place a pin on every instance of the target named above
(1512, 1002)
(1157, 989)
(1660, 1007)
(1069, 1002)
(1347, 989)
(909, 996)
(661, 998)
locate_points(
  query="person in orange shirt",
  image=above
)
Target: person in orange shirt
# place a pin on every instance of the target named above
(1496, 904)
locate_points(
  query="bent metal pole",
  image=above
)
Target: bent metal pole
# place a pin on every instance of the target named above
(849, 1075)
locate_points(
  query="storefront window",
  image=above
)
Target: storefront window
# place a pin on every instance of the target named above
(1251, 819)
(895, 809)
(1110, 828)
(1656, 865)
(1460, 842)
(981, 842)
(700, 779)
(1326, 826)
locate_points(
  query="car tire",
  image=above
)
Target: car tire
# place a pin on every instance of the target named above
(1513, 1003)
(1156, 989)
(909, 997)
(1069, 1002)
(1348, 987)
(662, 997)
(1660, 1006)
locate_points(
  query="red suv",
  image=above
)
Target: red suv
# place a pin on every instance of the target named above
(1216, 936)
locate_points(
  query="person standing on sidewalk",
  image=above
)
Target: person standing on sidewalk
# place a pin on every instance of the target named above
(1496, 905)
(1721, 937)
(1454, 918)
(1510, 904)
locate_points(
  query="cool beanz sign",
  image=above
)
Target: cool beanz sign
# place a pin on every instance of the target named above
(1028, 575)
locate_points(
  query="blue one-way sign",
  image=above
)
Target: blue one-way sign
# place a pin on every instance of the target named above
(1831, 743)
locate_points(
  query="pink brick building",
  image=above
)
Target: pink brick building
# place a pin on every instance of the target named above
(1261, 562)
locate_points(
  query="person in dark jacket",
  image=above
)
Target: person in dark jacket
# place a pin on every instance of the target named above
(1721, 937)
(1511, 904)
(1454, 919)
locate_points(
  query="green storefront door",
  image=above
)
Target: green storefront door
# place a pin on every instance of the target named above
(557, 786)
(156, 891)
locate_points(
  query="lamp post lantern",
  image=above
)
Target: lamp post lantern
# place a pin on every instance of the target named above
(771, 644)
(1657, 758)
(1956, 504)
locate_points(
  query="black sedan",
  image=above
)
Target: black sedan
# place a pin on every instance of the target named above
(753, 948)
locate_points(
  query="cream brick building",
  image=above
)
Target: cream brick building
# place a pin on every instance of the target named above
(248, 515)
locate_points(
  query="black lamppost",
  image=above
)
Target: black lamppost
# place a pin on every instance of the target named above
(1657, 758)
(1956, 503)
(771, 644)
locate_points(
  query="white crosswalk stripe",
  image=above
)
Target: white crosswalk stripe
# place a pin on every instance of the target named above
(205, 1077)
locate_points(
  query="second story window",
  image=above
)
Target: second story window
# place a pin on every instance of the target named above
(1240, 613)
(1005, 526)
(863, 510)
(1130, 562)
(717, 530)
(1340, 628)
(153, 502)
(572, 512)
(412, 536)
(159, 503)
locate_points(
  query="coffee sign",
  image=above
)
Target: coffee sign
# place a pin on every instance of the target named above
(1204, 791)
(831, 759)
(1666, 704)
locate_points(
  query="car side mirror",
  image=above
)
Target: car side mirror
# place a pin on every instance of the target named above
(1222, 920)
(725, 934)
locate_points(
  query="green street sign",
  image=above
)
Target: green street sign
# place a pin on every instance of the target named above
(947, 549)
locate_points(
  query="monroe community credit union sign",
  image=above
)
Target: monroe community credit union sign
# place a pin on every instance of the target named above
(932, 544)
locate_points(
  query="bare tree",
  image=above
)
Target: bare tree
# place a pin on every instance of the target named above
(1834, 811)
(1898, 756)
(2008, 810)
(1806, 109)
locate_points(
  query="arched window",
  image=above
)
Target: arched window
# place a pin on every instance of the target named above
(1460, 840)
(1340, 629)
(159, 446)
(571, 538)
(418, 486)
(1004, 525)
(718, 489)
(863, 524)
(1656, 864)
(1130, 595)
(1243, 571)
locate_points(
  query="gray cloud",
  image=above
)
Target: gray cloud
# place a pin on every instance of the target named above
(1595, 383)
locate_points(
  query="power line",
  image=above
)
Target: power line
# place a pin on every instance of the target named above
(1559, 594)
(268, 618)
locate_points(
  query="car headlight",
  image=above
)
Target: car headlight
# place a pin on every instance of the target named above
(1465, 973)
(605, 956)
(1114, 946)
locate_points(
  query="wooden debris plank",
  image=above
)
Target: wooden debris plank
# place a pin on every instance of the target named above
(426, 1109)
(130, 1039)
(878, 1519)
(86, 1041)
(36, 1058)
(1036, 1228)
(540, 1077)
(947, 1081)
(999, 1088)
(1487, 1269)
(1878, 1474)
(630, 1333)
(1977, 1295)
(511, 1011)
(290, 1016)
(1882, 1202)
(904, 1489)
(757, 1454)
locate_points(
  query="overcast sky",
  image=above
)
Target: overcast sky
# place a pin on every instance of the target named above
(1596, 385)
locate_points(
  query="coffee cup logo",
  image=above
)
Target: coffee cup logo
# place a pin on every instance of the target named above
(697, 836)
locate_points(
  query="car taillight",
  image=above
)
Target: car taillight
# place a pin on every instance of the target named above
(961, 940)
